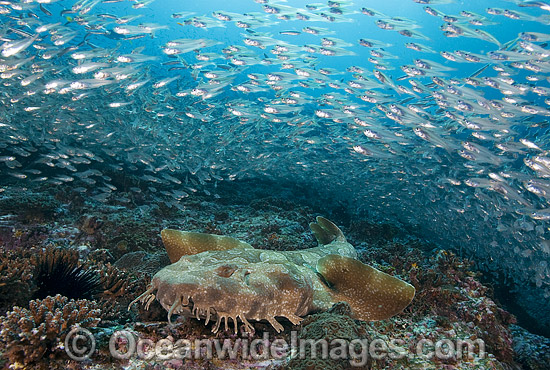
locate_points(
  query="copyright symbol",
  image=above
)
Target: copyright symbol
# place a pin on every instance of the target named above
(79, 344)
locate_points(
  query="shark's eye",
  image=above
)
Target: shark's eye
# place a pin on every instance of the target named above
(226, 270)
(245, 276)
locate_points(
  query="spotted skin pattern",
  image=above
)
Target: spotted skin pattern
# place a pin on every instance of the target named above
(222, 278)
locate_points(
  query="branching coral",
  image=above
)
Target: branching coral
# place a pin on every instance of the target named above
(32, 337)
(115, 282)
(15, 280)
(27, 274)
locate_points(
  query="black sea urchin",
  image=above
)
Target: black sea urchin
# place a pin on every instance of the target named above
(58, 271)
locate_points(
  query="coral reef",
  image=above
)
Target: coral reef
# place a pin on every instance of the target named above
(448, 288)
(373, 232)
(143, 262)
(26, 274)
(118, 289)
(33, 337)
(121, 246)
(121, 230)
(15, 234)
(115, 282)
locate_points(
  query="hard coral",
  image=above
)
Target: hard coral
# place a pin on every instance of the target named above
(30, 274)
(17, 235)
(15, 280)
(114, 281)
(90, 224)
(332, 327)
(532, 351)
(128, 231)
(33, 337)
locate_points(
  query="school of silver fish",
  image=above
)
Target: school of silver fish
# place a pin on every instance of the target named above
(437, 120)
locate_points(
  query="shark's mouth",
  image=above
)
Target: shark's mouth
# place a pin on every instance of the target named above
(186, 306)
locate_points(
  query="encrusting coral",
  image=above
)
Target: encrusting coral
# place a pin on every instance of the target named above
(33, 336)
(221, 276)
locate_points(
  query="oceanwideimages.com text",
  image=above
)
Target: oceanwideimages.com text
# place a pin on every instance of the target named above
(126, 344)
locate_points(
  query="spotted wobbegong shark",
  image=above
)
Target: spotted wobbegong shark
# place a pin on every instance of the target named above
(213, 276)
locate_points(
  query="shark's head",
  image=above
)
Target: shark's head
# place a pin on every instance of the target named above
(226, 284)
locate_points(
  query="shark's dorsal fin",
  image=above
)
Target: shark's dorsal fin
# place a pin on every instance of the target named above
(372, 294)
(183, 243)
(326, 231)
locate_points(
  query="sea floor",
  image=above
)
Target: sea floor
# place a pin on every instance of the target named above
(57, 244)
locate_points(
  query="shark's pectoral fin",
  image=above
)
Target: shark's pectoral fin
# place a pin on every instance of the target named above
(183, 243)
(372, 294)
(326, 231)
